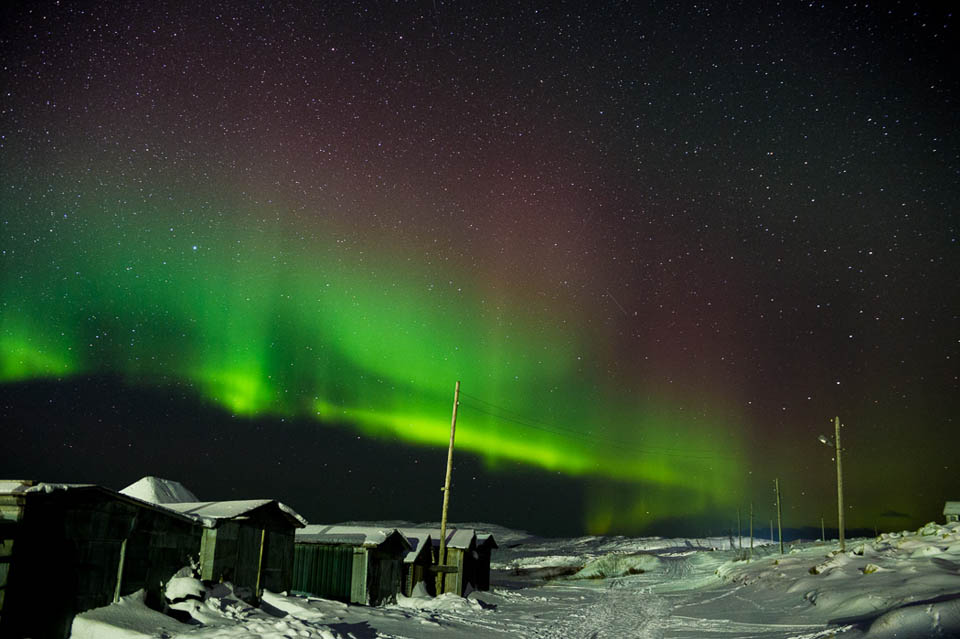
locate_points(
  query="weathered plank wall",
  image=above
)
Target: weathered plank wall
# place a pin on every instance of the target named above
(79, 549)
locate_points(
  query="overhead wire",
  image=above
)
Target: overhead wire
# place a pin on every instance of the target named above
(514, 417)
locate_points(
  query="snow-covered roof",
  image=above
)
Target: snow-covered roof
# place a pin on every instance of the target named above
(27, 487)
(456, 537)
(210, 513)
(349, 535)
(157, 490)
(19, 487)
(418, 541)
(951, 508)
(12, 486)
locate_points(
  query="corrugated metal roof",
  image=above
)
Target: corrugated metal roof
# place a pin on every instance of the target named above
(951, 508)
(456, 537)
(349, 535)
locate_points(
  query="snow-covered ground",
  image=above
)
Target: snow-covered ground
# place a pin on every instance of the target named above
(896, 585)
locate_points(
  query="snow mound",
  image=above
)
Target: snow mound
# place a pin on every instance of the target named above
(619, 565)
(542, 561)
(157, 490)
(129, 618)
(300, 608)
(937, 619)
(904, 584)
(447, 602)
(184, 588)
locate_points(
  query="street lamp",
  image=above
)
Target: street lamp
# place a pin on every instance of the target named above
(835, 444)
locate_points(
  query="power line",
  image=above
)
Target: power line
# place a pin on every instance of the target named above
(567, 430)
(536, 424)
(665, 452)
(524, 418)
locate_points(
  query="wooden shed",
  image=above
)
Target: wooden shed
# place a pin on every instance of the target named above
(81, 546)
(248, 543)
(479, 568)
(349, 563)
(461, 551)
(951, 511)
(416, 564)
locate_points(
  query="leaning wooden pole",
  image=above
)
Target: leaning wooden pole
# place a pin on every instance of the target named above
(836, 423)
(442, 558)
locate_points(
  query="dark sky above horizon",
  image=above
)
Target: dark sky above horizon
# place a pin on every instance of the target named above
(252, 246)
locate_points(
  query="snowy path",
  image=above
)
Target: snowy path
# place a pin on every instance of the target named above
(617, 611)
(665, 604)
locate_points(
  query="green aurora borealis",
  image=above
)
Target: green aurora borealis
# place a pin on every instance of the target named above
(660, 247)
(286, 332)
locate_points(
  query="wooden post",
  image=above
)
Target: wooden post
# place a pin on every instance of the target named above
(263, 538)
(836, 423)
(442, 559)
(123, 558)
(751, 528)
(776, 486)
(771, 531)
(823, 533)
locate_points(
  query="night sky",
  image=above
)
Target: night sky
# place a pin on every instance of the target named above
(252, 247)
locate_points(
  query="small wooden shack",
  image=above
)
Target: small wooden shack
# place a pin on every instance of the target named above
(416, 564)
(81, 546)
(951, 511)
(349, 563)
(248, 543)
(461, 553)
(479, 568)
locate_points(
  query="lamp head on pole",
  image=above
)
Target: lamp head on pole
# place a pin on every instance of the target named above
(825, 441)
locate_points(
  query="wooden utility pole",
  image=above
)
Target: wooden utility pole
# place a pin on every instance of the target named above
(823, 533)
(751, 528)
(836, 423)
(739, 533)
(776, 486)
(442, 559)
